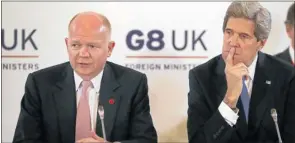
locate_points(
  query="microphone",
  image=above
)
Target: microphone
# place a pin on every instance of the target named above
(101, 116)
(274, 116)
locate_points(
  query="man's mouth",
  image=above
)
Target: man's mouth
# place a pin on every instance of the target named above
(84, 64)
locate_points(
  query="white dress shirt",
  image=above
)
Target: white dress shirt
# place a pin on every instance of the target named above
(93, 95)
(226, 112)
(292, 53)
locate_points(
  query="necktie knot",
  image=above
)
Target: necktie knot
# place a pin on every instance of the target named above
(86, 83)
(247, 82)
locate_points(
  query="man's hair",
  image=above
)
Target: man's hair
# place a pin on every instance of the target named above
(252, 11)
(290, 15)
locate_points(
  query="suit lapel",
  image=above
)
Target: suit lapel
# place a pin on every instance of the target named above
(64, 96)
(220, 81)
(259, 98)
(108, 98)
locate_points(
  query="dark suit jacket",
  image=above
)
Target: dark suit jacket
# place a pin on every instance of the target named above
(208, 86)
(285, 56)
(48, 107)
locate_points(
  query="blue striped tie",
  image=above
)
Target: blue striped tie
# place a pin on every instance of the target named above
(245, 99)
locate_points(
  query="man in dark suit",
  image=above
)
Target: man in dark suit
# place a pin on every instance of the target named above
(288, 54)
(231, 95)
(60, 104)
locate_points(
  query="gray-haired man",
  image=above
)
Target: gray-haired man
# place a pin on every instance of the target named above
(231, 95)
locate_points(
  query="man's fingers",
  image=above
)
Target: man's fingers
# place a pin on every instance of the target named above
(81, 140)
(239, 72)
(239, 66)
(96, 137)
(89, 140)
(236, 68)
(229, 58)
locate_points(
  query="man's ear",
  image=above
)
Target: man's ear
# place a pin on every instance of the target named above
(110, 48)
(289, 29)
(262, 43)
(67, 42)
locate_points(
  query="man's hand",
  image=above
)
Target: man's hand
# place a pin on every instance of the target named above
(93, 139)
(234, 77)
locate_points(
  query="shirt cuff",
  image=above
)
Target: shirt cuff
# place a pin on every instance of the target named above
(228, 114)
